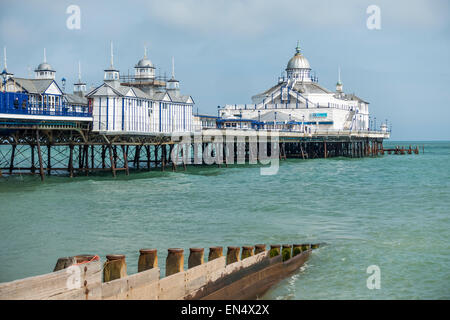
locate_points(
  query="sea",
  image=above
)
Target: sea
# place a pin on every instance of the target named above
(384, 221)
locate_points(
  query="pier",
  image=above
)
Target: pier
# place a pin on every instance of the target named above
(245, 274)
(70, 148)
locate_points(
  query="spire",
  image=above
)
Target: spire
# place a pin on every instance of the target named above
(4, 56)
(79, 71)
(297, 49)
(173, 67)
(145, 52)
(45, 56)
(339, 75)
(339, 86)
(112, 56)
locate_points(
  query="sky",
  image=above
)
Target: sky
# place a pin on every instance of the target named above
(227, 51)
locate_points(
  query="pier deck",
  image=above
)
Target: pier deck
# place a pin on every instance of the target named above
(72, 148)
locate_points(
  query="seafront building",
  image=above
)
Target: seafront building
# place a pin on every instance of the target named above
(140, 104)
(298, 102)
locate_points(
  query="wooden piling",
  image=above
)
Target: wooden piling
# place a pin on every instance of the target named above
(114, 268)
(286, 252)
(214, 253)
(174, 261)
(233, 254)
(196, 256)
(247, 251)
(260, 248)
(296, 249)
(148, 259)
(274, 250)
(66, 262)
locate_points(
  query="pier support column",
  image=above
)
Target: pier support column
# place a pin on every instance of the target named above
(247, 251)
(148, 259)
(70, 160)
(111, 158)
(125, 160)
(11, 162)
(214, 253)
(147, 148)
(41, 166)
(260, 248)
(233, 254)
(115, 267)
(174, 261)
(49, 159)
(33, 166)
(196, 256)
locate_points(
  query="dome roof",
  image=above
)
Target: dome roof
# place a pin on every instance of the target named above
(144, 63)
(44, 66)
(298, 61)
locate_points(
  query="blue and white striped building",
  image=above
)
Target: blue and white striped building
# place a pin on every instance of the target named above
(141, 104)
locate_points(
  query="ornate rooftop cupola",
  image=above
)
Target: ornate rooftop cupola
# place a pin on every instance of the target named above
(173, 85)
(79, 88)
(298, 67)
(5, 74)
(45, 70)
(144, 69)
(111, 74)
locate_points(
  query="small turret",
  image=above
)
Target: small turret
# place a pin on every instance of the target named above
(79, 88)
(144, 69)
(111, 74)
(173, 85)
(45, 70)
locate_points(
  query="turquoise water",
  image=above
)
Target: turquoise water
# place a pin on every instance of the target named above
(390, 211)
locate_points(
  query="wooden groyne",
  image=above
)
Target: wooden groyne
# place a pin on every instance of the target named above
(245, 274)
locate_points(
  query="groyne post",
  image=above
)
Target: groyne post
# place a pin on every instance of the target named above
(148, 259)
(196, 257)
(260, 248)
(174, 261)
(286, 252)
(214, 253)
(296, 249)
(247, 251)
(233, 254)
(274, 250)
(115, 267)
(66, 262)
